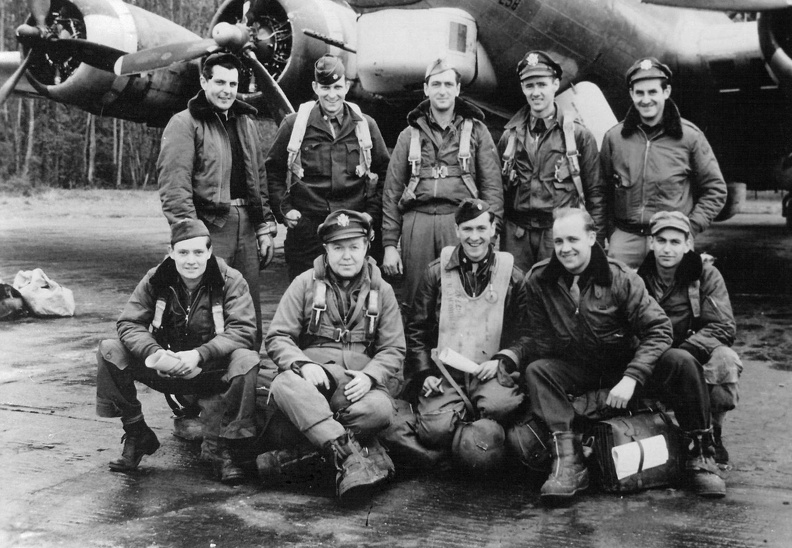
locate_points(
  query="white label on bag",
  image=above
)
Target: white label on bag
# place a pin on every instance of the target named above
(627, 457)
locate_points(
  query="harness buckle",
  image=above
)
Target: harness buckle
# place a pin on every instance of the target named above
(439, 172)
(341, 335)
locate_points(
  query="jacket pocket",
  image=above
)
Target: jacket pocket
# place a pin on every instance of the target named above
(316, 159)
(352, 158)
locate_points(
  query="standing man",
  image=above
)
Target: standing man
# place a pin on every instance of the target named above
(584, 313)
(338, 341)
(328, 156)
(445, 155)
(655, 160)
(211, 167)
(463, 303)
(188, 329)
(549, 161)
(693, 294)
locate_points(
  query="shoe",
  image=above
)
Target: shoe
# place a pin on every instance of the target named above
(702, 472)
(356, 475)
(188, 428)
(721, 454)
(300, 464)
(377, 454)
(225, 469)
(569, 473)
(138, 440)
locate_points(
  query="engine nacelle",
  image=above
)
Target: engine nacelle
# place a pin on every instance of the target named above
(775, 40)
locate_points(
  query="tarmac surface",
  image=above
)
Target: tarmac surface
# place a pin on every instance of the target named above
(56, 489)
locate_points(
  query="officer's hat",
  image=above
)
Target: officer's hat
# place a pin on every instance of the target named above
(469, 209)
(187, 229)
(669, 219)
(647, 68)
(438, 66)
(343, 224)
(538, 63)
(328, 70)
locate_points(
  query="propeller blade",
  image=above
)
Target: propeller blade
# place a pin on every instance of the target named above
(12, 82)
(724, 5)
(279, 105)
(39, 9)
(90, 53)
(163, 56)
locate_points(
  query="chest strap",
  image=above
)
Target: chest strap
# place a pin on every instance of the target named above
(572, 155)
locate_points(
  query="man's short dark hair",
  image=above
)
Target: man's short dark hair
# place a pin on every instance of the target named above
(564, 212)
(225, 60)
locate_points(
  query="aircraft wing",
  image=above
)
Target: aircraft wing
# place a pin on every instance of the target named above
(725, 5)
(9, 61)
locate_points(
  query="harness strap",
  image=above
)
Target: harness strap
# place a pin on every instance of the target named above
(159, 311)
(572, 155)
(319, 299)
(293, 163)
(508, 156)
(364, 141)
(414, 157)
(217, 314)
(441, 366)
(694, 295)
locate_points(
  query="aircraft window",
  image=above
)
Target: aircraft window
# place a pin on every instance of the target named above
(457, 37)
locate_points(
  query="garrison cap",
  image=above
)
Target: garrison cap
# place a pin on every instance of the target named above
(669, 219)
(343, 224)
(538, 63)
(647, 68)
(222, 58)
(438, 66)
(186, 229)
(328, 69)
(469, 209)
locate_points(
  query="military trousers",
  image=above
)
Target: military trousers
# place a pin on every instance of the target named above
(320, 416)
(527, 245)
(439, 414)
(234, 378)
(677, 379)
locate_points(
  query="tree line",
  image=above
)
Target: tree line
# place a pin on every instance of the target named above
(43, 143)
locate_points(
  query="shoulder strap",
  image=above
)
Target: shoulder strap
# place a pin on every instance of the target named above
(694, 295)
(293, 164)
(414, 158)
(319, 298)
(373, 304)
(508, 155)
(159, 311)
(217, 313)
(441, 366)
(465, 138)
(572, 156)
(363, 135)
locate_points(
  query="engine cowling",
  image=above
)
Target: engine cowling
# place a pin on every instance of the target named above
(775, 40)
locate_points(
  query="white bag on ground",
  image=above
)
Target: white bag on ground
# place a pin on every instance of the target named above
(43, 296)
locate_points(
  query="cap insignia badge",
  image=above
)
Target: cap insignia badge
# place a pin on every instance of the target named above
(343, 220)
(532, 60)
(646, 64)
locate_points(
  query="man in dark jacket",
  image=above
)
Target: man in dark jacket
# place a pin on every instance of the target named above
(446, 154)
(211, 167)
(188, 329)
(655, 160)
(338, 341)
(585, 314)
(328, 156)
(693, 294)
(540, 172)
(463, 303)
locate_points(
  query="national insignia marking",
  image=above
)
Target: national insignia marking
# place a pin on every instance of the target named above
(532, 60)
(343, 220)
(646, 64)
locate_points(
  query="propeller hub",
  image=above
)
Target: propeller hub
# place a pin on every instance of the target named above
(28, 35)
(231, 37)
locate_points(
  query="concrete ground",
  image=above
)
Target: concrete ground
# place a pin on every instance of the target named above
(56, 489)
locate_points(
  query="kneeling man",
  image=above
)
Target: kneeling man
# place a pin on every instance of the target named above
(338, 341)
(462, 304)
(585, 311)
(189, 328)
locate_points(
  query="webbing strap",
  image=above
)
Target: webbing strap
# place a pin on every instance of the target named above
(572, 157)
(159, 311)
(364, 141)
(293, 163)
(694, 295)
(414, 157)
(217, 318)
(508, 156)
(319, 302)
(464, 145)
(441, 366)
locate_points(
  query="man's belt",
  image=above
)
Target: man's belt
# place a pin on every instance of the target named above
(632, 228)
(239, 202)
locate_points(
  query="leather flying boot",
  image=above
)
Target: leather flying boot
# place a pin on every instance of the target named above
(138, 440)
(701, 470)
(379, 456)
(300, 464)
(569, 473)
(721, 454)
(356, 475)
(226, 470)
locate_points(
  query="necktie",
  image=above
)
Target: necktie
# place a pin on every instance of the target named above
(539, 127)
(336, 126)
(574, 290)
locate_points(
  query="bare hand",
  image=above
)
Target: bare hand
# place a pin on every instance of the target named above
(266, 250)
(620, 395)
(488, 370)
(392, 263)
(432, 386)
(358, 387)
(189, 363)
(291, 217)
(315, 374)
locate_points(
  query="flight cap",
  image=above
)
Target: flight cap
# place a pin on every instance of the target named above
(437, 66)
(469, 209)
(538, 63)
(647, 68)
(186, 229)
(328, 70)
